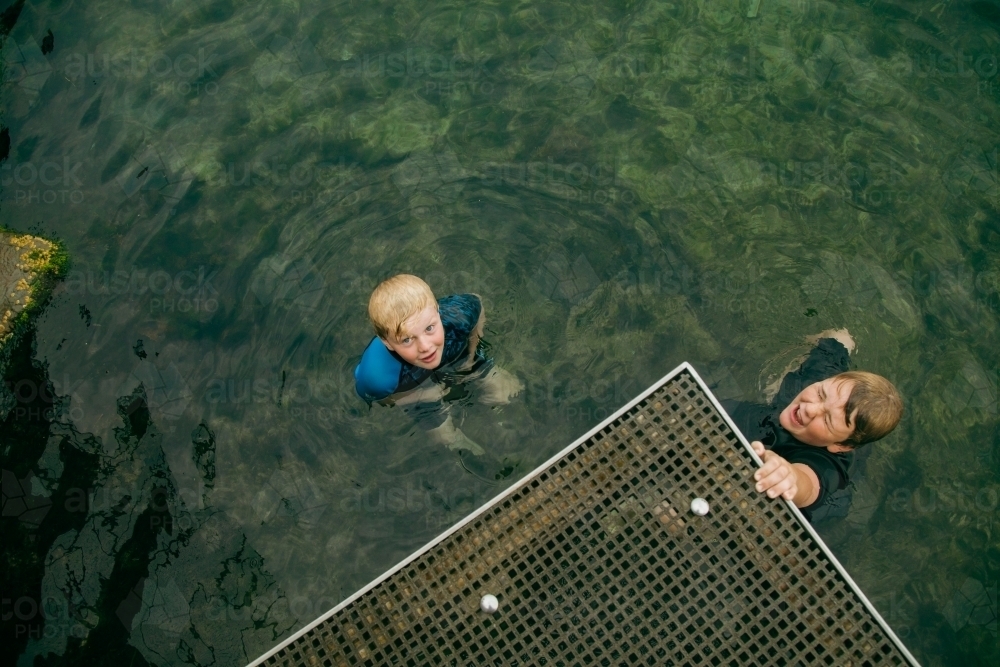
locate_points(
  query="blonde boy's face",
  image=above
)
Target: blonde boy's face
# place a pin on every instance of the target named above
(421, 339)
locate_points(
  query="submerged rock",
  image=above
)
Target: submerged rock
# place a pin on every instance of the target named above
(29, 267)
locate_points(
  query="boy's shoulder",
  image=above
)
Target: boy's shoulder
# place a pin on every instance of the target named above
(465, 302)
(377, 374)
(460, 312)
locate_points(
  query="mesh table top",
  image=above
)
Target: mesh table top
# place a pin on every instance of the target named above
(597, 559)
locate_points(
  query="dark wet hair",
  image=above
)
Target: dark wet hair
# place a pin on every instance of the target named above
(874, 406)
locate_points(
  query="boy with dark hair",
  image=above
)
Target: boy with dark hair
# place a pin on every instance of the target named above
(808, 444)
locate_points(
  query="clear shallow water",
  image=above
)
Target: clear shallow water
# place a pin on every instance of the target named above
(627, 185)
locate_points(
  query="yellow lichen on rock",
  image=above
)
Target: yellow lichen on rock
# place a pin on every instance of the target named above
(23, 258)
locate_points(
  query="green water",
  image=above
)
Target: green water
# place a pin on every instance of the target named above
(628, 185)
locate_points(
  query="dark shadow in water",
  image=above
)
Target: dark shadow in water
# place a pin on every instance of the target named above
(107, 643)
(4, 144)
(9, 17)
(88, 515)
(31, 524)
(27, 536)
(989, 11)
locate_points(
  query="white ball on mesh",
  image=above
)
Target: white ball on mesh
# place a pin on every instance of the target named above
(489, 603)
(699, 506)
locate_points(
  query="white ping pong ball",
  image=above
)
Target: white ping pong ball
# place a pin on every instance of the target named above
(489, 603)
(699, 506)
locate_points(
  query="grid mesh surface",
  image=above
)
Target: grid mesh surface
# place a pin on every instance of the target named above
(598, 560)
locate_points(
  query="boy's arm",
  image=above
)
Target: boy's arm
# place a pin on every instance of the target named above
(477, 331)
(793, 481)
(842, 336)
(428, 392)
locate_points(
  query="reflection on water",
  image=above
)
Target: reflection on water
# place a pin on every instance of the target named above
(627, 186)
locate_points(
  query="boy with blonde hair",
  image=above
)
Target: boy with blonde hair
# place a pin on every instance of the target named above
(808, 446)
(423, 346)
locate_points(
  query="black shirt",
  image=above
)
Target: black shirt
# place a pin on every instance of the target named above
(760, 422)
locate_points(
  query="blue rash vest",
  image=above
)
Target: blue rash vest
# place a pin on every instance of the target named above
(382, 372)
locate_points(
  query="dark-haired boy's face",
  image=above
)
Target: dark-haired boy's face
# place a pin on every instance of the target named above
(816, 416)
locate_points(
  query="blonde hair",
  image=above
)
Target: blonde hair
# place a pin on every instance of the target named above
(877, 404)
(396, 300)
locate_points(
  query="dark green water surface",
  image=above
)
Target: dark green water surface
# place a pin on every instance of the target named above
(188, 476)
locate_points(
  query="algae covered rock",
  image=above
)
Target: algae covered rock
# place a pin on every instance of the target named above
(29, 267)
